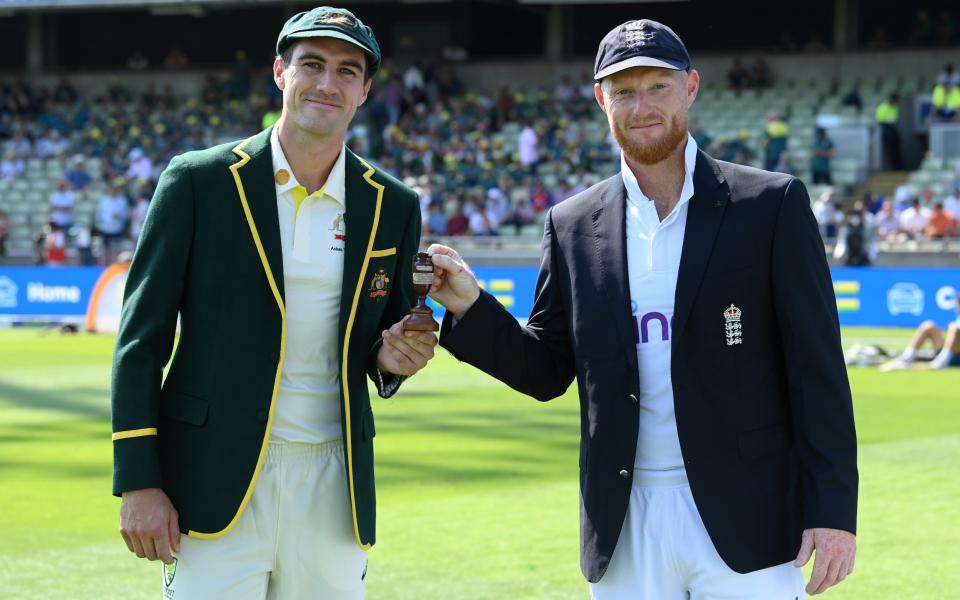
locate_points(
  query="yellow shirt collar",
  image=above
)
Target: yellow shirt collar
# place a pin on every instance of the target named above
(334, 187)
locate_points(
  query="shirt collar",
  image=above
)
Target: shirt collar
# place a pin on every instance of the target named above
(689, 161)
(335, 186)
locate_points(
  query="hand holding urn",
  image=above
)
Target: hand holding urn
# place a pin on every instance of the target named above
(421, 315)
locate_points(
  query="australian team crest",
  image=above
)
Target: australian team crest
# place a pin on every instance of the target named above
(379, 283)
(169, 572)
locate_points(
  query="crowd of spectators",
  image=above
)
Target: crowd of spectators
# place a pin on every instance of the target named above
(484, 162)
(899, 219)
(131, 135)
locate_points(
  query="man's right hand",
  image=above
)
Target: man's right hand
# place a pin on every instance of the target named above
(454, 284)
(149, 524)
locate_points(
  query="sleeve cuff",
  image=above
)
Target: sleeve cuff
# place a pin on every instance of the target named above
(387, 383)
(136, 464)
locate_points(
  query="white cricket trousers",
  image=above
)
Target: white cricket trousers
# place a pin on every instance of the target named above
(294, 541)
(665, 553)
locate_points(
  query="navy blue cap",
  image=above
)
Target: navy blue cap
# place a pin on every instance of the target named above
(642, 43)
(327, 21)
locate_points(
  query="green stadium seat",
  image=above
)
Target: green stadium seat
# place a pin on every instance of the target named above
(13, 196)
(19, 219)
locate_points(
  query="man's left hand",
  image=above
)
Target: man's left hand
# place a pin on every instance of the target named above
(405, 352)
(836, 551)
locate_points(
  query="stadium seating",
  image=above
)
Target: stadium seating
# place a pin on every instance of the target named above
(723, 115)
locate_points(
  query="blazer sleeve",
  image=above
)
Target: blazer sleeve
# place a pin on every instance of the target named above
(818, 390)
(536, 360)
(399, 303)
(151, 302)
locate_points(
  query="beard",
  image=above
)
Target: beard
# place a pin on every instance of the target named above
(650, 153)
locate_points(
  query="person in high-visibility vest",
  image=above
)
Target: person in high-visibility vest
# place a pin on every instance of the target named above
(777, 134)
(887, 116)
(946, 101)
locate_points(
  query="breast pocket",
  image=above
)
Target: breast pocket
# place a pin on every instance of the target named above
(729, 276)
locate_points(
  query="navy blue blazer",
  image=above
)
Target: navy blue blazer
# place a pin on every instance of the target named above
(765, 425)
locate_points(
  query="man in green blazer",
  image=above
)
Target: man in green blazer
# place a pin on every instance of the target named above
(288, 261)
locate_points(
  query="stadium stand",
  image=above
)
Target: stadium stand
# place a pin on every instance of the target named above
(488, 154)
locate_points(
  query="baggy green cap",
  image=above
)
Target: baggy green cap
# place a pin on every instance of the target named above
(327, 21)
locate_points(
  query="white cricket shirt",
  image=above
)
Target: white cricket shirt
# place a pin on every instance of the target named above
(312, 236)
(653, 260)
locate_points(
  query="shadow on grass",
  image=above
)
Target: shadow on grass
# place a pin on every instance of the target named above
(477, 446)
(58, 432)
(63, 401)
(549, 429)
(484, 468)
(55, 471)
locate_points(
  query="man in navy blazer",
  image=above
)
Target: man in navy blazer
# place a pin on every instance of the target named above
(692, 301)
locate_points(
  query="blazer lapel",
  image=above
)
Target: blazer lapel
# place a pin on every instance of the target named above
(706, 210)
(253, 176)
(610, 239)
(363, 196)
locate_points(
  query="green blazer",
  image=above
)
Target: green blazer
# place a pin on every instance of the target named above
(210, 252)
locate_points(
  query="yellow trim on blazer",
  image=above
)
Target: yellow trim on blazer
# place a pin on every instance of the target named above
(382, 253)
(346, 342)
(133, 433)
(235, 168)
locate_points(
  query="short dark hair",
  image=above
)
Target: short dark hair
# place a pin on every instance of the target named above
(287, 57)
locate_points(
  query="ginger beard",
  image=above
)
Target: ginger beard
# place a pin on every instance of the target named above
(657, 150)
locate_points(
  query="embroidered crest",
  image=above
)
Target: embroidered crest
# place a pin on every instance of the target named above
(337, 18)
(733, 325)
(379, 283)
(337, 228)
(636, 34)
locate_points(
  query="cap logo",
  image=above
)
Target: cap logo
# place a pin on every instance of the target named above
(337, 19)
(636, 34)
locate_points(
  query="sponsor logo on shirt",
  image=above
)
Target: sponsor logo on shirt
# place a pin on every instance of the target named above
(337, 228)
(642, 333)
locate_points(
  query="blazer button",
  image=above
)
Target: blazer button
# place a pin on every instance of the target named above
(262, 416)
(624, 473)
(633, 398)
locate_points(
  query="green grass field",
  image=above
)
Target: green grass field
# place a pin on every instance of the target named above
(477, 485)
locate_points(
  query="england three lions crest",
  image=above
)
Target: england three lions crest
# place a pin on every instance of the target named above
(733, 326)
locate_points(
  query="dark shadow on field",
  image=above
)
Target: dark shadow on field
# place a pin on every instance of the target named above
(56, 470)
(522, 445)
(548, 427)
(390, 471)
(409, 395)
(68, 400)
(56, 432)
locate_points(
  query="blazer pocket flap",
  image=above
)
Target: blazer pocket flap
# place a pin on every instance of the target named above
(761, 442)
(383, 253)
(184, 408)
